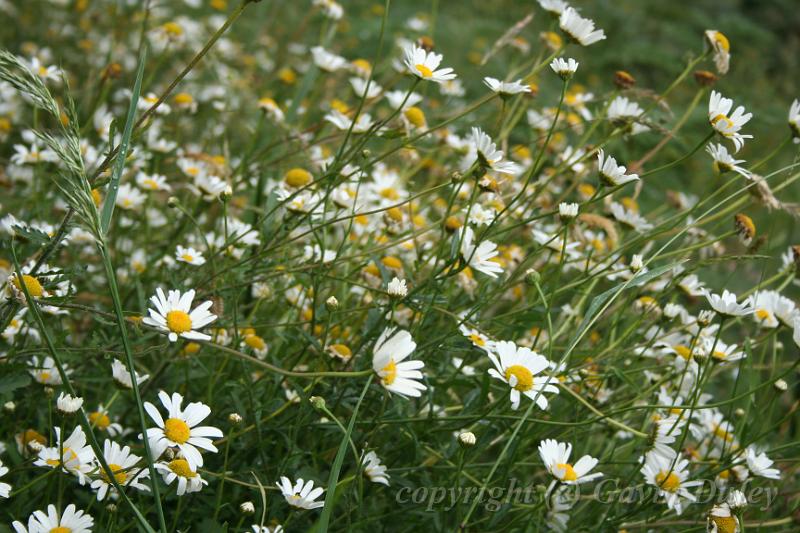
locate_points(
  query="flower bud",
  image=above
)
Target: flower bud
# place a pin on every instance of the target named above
(173, 202)
(624, 80)
(532, 277)
(780, 385)
(332, 304)
(68, 404)
(317, 401)
(737, 501)
(466, 439)
(235, 418)
(247, 508)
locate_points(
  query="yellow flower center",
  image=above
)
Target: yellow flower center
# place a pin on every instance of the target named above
(415, 116)
(341, 351)
(150, 183)
(44, 375)
(60, 529)
(425, 71)
(763, 314)
(391, 261)
(477, 339)
(725, 524)
(523, 375)
(255, 342)
(183, 99)
(569, 473)
(99, 420)
(181, 467)
(683, 351)
(669, 481)
(722, 433)
(176, 430)
(390, 372)
(189, 258)
(722, 41)
(297, 177)
(119, 473)
(726, 123)
(35, 288)
(390, 193)
(179, 321)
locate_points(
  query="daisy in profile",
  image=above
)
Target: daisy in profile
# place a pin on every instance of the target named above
(794, 120)
(518, 366)
(727, 125)
(181, 429)
(722, 50)
(725, 162)
(669, 475)
(612, 174)
(621, 109)
(760, 465)
(565, 68)
(302, 494)
(326, 60)
(479, 257)
(70, 521)
(343, 122)
(403, 378)
(555, 456)
(179, 470)
(506, 88)
(424, 65)
(172, 314)
(374, 470)
(73, 455)
(726, 304)
(121, 375)
(123, 464)
(555, 7)
(189, 255)
(152, 182)
(579, 29)
(485, 151)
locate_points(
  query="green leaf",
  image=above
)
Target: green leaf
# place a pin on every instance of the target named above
(13, 382)
(119, 162)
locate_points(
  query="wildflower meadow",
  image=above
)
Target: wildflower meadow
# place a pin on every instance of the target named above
(399, 265)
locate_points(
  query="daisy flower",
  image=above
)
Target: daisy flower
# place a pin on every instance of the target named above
(46, 373)
(128, 197)
(669, 475)
(397, 288)
(518, 367)
(726, 304)
(326, 60)
(725, 162)
(152, 182)
(721, 520)
(172, 314)
(424, 65)
(390, 350)
(302, 494)
(123, 464)
(178, 469)
(722, 50)
(477, 338)
(719, 108)
(761, 465)
(621, 109)
(479, 257)
(555, 456)
(71, 521)
(181, 429)
(772, 309)
(506, 88)
(564, 67)
(189, 255)
(73, 455)
(485, 151)
(121, 375)
(375, 471)
(612, 174)
(343, 122)
(794, 120)
(580, 29)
